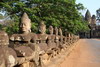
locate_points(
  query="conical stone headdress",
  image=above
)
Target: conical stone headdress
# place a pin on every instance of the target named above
(25, 18)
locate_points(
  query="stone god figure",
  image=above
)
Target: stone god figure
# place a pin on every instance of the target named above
(51, 38)
(25, 25)
(57, 37)
(8, 57)
(51, 42)
(61, 40)
(25, 31)
(25, 43)
(42, 37)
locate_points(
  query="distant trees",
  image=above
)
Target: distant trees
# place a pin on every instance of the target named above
(60, 13)
(98, 14)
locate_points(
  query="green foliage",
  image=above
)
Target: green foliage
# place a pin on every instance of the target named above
(98, 14)
(1, 16)
(13, 28)
(1, 27)
(60, 13)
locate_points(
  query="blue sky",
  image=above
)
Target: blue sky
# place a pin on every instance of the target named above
(92, 5)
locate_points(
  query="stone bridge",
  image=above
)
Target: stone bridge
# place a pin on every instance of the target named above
(28, 49)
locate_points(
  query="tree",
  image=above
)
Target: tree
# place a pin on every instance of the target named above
(1, 16)
(60, 13)
(98, 14)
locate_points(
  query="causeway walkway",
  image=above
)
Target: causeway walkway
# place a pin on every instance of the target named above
(86, 54)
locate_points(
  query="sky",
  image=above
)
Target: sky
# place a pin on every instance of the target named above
(91, 5)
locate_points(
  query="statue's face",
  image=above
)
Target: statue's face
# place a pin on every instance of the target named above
(56, 31)
(25, 27)
(42, 30)
(51, 30)
(60, 31)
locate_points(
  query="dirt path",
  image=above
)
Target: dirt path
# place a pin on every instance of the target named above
(87, 54)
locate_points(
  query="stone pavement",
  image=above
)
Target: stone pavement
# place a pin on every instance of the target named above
(86, 54)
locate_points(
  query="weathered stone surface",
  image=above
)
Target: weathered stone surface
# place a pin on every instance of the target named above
(28, 49)
(25, 43)
(7, 55)
(23, 51)
(24, 38)
(4, 39)
(42, 37)
(25, 24)
(51, 37)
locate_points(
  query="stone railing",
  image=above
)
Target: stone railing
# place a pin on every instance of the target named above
(28, 49)
(36, 53)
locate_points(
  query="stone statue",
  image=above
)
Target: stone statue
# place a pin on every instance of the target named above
(62, 45)
(60, 32)
(8, 57)
(25, 43)
(51, 38)
(51, 42)
(42, 37)
(25, 31)
(25, 25)
(25, 35)
(57, 39)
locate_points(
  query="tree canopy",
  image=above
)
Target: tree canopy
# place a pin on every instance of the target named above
(60, 13)
(98, 14)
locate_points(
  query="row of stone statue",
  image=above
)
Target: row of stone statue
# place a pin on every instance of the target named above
(28, 49)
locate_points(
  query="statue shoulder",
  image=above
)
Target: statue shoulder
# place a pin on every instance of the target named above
(14, 37)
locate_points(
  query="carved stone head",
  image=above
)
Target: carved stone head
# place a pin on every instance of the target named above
(50, 29)
(25, 24)
(4, 39)
(56, 31)
(60, 31)
(42, 27)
